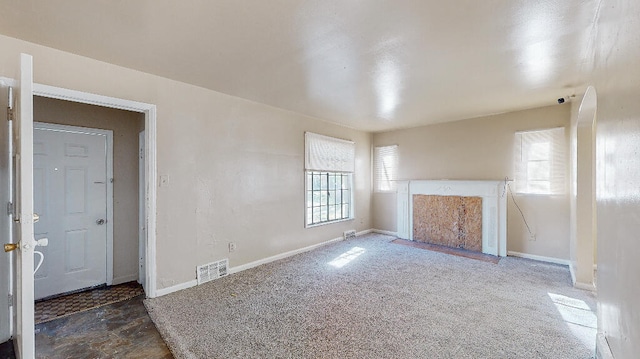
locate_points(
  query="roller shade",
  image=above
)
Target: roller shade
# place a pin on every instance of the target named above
(323, 153)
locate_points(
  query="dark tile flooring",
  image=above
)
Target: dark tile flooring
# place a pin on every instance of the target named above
(118, 330)
(48, 309)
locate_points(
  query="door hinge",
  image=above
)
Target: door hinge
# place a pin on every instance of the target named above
(10, 105)
(10, 296)
(10, 209)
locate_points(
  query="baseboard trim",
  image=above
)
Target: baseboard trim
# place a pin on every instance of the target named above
(125, 279)
(253, 264)
(242, 267)
(535, 257)
(175, 288)
(585, 286)
(603, 351)
(382, 231)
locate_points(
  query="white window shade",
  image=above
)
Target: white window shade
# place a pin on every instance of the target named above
(540, 162)
(323, 153)
(385, 168)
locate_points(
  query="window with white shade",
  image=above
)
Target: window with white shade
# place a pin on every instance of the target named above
(385, 168)
(329, 167)
(540, 162)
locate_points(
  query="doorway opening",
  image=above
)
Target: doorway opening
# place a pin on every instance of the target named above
(127, 119)
(95, 190)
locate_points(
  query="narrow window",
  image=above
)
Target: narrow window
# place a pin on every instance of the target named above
(329, 166)
(385, 168)
(540, 162)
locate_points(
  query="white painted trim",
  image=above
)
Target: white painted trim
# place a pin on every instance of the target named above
(382, 231)
(572, 270)
(109, 174)
(164, 291)
(585, 286)
(362, 233)
(240, 268)
(565, 262)
(253, 264)
(603, 351)
(150, 154)
(125, 279)
(141, 209)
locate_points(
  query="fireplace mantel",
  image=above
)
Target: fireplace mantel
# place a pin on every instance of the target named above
(494, 208)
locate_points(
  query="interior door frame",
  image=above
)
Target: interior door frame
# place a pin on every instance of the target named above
(109, 175)
(149, 111)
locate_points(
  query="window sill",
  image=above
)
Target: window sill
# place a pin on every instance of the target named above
(325, 223)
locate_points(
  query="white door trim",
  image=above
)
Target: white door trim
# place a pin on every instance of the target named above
(149, 111)
(109, 138)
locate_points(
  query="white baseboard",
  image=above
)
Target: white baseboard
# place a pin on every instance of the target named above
(603, 351)
(585, 286)
(382, 231)
(253, 264)
(564, 262)
(124, 279)
(240, 268)
(175, 288)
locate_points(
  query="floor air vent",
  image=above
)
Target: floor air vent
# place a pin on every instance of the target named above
(211, 271)
(351, 234)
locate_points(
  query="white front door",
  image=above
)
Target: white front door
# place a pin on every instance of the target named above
(24, 216)
(70, 196)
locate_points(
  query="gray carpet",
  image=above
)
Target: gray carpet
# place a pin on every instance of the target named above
(369, 298)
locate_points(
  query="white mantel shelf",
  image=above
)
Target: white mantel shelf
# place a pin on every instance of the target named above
(494, 207)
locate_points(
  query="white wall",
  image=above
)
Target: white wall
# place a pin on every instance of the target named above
(235, 167)
(616, 50)
(482, 149)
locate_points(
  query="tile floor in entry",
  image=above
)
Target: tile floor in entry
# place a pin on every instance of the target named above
(118, 330)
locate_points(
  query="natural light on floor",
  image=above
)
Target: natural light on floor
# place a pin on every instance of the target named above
(580, 319)
(347, 257)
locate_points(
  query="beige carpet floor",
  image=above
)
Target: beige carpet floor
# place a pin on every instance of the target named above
(369, 298)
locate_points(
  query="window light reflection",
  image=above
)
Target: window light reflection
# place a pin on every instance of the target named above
(346, 257)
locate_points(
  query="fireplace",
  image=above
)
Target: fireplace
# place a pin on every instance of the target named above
(460, 214)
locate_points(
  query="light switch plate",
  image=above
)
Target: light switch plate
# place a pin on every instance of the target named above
(164, 180)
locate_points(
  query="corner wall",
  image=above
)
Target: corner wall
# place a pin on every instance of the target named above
(482, 149)
(235, 167)
(615, 50)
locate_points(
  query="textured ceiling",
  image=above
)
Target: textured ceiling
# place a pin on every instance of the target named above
(370, 65)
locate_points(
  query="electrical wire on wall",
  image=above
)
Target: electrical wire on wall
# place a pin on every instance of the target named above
(507, 187)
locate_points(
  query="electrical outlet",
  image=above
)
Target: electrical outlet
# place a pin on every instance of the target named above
(232, 247)
(164, 180)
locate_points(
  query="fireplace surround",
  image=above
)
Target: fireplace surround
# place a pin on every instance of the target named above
(494, 208)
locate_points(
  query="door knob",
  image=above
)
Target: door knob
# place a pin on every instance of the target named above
(11, 247)
(100, 221)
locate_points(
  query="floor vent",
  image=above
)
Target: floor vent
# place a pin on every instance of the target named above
(350, 234)
(211, 271)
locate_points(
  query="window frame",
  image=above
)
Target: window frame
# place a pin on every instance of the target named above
(557, 163)
(392, 177)
(351, 214)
